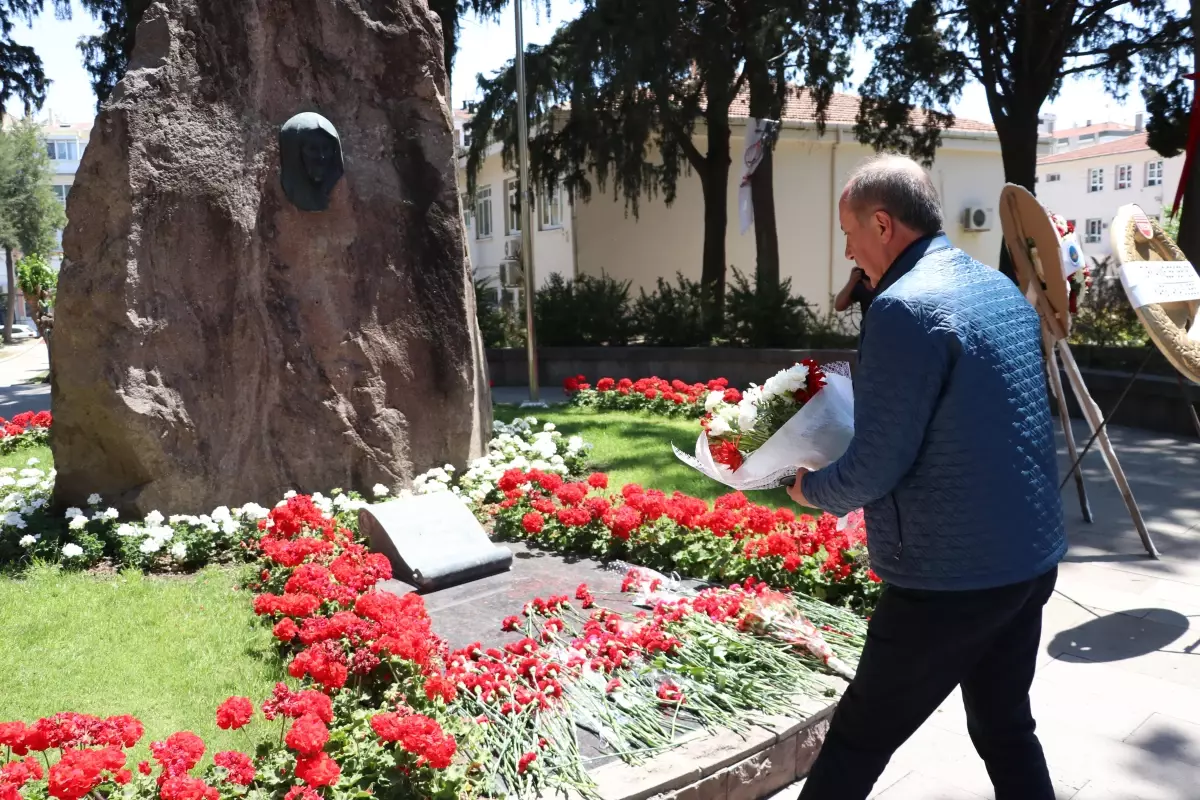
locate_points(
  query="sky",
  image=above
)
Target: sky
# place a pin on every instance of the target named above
(485, 47)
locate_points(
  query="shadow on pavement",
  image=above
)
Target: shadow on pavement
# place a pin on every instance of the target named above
(24, 397)
(1122, 636)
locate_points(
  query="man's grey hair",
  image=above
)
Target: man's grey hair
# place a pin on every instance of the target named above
(899, 186)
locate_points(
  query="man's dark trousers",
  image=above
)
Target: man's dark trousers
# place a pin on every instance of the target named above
(920, 645)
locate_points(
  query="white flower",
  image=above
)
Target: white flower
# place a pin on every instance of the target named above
(379, 490)
(31, 473)
(25, 483)
(549, 426)
(341, 501)
(179, 550)
(73, 512)
(32, 461)
(713, 400)
(14, 520)
(718, 426)
(154, 518)
(39, 502)
(110, 513)
(72, 551)
(575, 444)
(288, 495)
(78, 523)
(747, 415)
(252, 511)
(221, 513)
(150, 545)
(94, 499)
(126, 529)
(27, 541)
(7, 480)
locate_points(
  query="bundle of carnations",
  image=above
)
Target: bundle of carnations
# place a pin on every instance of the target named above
(802, 416)
(730, 540)
(24, 430)
(635, 681)
(653, 395)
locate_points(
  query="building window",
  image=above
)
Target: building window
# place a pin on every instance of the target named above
(1154, 173)
(512, 208)
(62, 150)
(1096, 179)
(1094, 228)
(60, 191)
(483, 212)
(1124, 176)
(1052, 177)
(550, 209)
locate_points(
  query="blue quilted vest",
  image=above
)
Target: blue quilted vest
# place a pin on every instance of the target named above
(953, 457)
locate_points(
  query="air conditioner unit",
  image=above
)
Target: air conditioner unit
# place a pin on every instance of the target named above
(978, 219)
(512, 249)
(512, 274)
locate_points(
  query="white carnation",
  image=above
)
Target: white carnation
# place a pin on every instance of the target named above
(379, 490)
(179, 550)
(27, 541)
(110, 513)
(718, 426)
(221, 513)
(150, 545)
(72, 551)
(94, 499)
(73, 512)
(78, 523)
(747, 415)
(125, 529)
(32, 461)
(154, 518)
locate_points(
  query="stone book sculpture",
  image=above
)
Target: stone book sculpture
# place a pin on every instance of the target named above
(433, 541)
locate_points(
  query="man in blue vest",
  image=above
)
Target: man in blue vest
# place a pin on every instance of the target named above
(953, 460)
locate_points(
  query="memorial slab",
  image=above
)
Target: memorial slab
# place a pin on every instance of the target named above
(432, 540)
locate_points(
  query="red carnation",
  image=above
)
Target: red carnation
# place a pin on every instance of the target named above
(598, 480)
(239, 768)
(318, 770)
(525, 761)
(307, 735)
(234, 713)
(183, 787)
(533, 522)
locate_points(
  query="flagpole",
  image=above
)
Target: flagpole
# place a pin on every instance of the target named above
(526, 204)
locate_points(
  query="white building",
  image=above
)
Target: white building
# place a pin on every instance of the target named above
(810, 170)
(1087, 185)
(65, 142)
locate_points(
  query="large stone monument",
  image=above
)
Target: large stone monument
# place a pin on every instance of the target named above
(265, 284)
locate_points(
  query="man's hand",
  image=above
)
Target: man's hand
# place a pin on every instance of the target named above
(796, 491)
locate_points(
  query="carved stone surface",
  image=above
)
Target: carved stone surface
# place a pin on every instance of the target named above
(215, 344)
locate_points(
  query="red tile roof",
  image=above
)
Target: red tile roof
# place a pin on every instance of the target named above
(1101, 127)
(1129, 144)
(799, 106)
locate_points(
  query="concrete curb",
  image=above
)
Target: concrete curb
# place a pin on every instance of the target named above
(724, 765)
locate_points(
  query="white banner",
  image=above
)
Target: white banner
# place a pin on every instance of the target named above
(1148, 282)
(751, 156)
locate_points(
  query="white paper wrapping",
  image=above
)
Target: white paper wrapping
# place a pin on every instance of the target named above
(1148, 282)
(814, 438)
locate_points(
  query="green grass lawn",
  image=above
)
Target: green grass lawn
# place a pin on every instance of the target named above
(166, 650)
(636, 448)
(21, 457)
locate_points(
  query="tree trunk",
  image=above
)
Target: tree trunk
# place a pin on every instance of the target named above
(766, 234)
(765, 101)
(11, 305)
(715, 184)
(1018, 148)
(1189, 214)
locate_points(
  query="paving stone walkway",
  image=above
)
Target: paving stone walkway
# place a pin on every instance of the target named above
(1117, 692)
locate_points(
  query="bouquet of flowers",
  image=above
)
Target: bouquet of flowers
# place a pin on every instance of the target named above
(802, 416)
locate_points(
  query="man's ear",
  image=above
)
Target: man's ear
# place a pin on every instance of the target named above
(883, 223)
